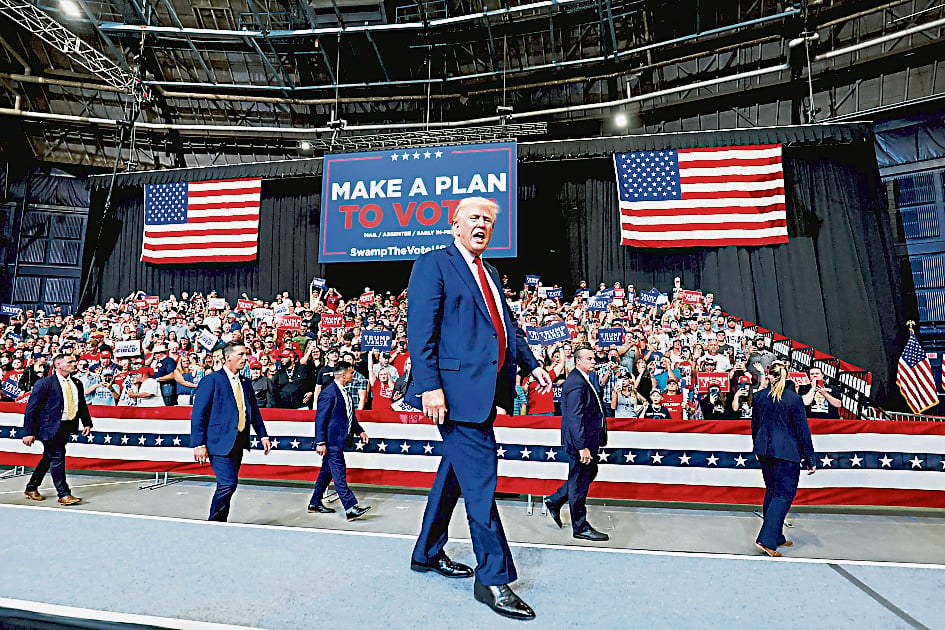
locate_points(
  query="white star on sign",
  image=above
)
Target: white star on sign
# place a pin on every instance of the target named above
(382, 447)
(916, 462)
(254, 443)
(90, 437)
(177, 441)
(825, 461)
(856, 460)
(438, 154)
(275, 444)
(124, 439)
(526, 453)
(294, 443)
(416, 155)
(739, 461)
(887, 460)
(550, 454)
(426, 155)
(107, 439)
(405, 156)
(159, 441)
(684, 459)
(943, 464)
(405, 448)
(427, 449)
(142, 440)
(359, 445)
(75, 437)
(713, 460)
(657, 458)
(500, 452)
(13, 432)
(393, 157)
(602, 456)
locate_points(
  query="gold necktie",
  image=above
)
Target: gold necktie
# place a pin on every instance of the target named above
(240, 403)
(70, 400)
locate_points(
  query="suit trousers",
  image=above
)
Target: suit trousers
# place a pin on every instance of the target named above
(781, 478)
(468, 466)
(333, 468)
(53, 461)
(227, 469)
(574, 490)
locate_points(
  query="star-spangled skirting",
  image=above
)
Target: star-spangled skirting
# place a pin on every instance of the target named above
(859, 463)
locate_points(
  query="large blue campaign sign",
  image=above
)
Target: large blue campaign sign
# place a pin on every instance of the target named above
(548, 335)
(610, 337)
(397, 205)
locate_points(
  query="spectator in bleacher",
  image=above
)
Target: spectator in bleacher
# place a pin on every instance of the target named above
(818, 397)
(714, 405)
(164, 372)
(326, 374)
(642, 379)
(184, 378)
(147, 392)
(358, 387)
(37, 370)
(655, 410)
(760, 358)
(742, 398)
(262, 385)
(624, 399)
(382, 389)
(402, 382)
(290, 381)
(722, 362)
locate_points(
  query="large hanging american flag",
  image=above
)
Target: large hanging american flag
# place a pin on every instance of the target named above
(860, 462)
(193, 222)
(703, 197)
(914, 377)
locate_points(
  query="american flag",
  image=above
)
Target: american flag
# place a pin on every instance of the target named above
(193, 222)
(914, 377)
(860, 462)
(705, 197)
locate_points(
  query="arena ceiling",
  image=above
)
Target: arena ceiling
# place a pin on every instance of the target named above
(216, 82)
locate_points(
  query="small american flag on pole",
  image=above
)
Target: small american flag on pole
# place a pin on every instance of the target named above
(702, 197)
(193, 222)
(914, 377)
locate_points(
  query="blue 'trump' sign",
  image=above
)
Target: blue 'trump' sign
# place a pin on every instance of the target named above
(396, 205)
(610, 337)
(376, 340)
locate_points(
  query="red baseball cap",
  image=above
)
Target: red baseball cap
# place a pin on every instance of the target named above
(255, 365)
(144, 369)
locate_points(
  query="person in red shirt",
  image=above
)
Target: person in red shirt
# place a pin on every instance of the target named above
(382, 390)
(399, 355)
(540, 403)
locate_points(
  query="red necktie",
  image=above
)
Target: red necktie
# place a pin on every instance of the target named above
(493, 311)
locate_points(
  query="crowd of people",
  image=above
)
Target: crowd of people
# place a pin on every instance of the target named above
(144, 351)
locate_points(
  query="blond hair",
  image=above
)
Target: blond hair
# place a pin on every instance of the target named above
(475, 202)
(777, 374)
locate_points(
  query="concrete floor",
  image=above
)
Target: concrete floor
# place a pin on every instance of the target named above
(901, 537)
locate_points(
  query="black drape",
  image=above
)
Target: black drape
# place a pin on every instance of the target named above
(288, 245)
(835, 285)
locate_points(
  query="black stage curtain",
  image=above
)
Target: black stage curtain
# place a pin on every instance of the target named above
(835, 286)
(288, 245)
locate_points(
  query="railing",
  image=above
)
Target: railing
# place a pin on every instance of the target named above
(873, 413)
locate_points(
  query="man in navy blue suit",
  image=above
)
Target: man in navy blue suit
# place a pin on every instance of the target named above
(53, 412)
(464, 346)
(335, 425)
(224, 408)
(583, 433)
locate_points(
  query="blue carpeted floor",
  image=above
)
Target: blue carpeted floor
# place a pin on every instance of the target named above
(299, 578)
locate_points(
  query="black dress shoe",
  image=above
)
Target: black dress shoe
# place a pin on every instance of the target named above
(356, 512)
(554, 512)
(502, 600)
(589, 533)
(321, 508)
(444, 566)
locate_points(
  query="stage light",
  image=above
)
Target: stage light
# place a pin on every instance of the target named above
(621, 120)
(70, 8)
(305, 145)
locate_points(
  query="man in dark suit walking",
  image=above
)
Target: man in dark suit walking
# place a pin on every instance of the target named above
(52, 414)
(583, 433)
(224, 408)
(335, 425)
(464, 346)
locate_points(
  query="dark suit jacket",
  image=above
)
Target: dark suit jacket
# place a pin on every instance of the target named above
(214, 418)
(331, 419)
(582, 424)
(453, 344)
(44, 408)
(779, 429)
